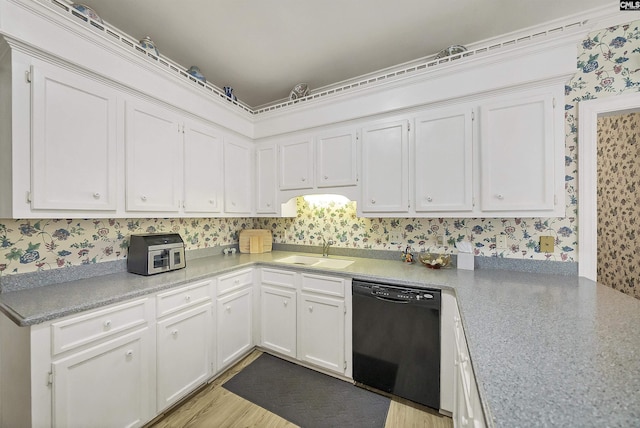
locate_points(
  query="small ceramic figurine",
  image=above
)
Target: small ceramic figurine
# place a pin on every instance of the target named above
(228, 90)
(406, 256)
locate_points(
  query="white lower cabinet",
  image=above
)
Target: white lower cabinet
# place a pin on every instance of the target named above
(321, 322)
(321, 331)
(110, 383)
(100, 361)
(234, 326)
(184, 341)
(467, 412)
(304, 316)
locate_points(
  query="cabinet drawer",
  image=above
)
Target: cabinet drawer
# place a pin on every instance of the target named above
(323, 284)
(283, 278)
(78, 331)
(183, 297)
(234, 281)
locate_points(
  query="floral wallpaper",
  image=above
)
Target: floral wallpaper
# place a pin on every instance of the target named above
(619, 202)
(607, 65)
(30, 245)
(341, 224)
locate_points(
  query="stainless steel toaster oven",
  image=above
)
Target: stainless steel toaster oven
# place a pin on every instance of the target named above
(155, 253)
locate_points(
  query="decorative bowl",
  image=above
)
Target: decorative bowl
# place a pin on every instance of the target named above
(434, 260)
(451, 50)
(148, 45)
(195, 72)
(87, 11)
(301, 90)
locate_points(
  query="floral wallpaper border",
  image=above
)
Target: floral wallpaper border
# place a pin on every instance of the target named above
(607, 65)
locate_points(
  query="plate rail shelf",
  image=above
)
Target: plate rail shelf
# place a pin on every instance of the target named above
(414, 67)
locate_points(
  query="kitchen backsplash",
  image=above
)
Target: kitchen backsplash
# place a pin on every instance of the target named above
(606, 66)
(30, 245)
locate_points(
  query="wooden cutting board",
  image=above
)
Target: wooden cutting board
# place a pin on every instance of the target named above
(255, 241)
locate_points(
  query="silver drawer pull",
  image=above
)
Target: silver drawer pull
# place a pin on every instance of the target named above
(107, 324)
(96, 195)
(174, 333)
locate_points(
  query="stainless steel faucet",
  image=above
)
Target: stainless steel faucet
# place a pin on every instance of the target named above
(325, 247)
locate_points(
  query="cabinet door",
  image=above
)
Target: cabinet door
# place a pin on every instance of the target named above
(517, 154)
(111, 383)
(278, 323)
(184, 353)
(238, 176)
(385, 160)
(336, 159)
(234, 326)
(266, 182)
(296, 164)
(321, 331)
(153, 157)
(443, 161)
(203, 171)
(73, 143)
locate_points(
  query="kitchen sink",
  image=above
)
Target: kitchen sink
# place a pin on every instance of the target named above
(316, 261)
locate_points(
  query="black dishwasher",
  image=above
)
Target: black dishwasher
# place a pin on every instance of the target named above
(396, 340)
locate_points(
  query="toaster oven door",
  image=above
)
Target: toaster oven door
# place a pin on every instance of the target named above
(177, 258)
(159, 260)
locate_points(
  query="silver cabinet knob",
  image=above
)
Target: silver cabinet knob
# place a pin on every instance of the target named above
(96, 195)
(373, 201)
(303, 179)
(500, 196)
(285, 303)
(107, 324)
(174, 333)
(326, 177)
(268, 204)
(310, 308)
(143, 197)
(129, 353)
(429, 199)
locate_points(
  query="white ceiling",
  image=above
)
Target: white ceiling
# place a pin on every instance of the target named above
(262, 48)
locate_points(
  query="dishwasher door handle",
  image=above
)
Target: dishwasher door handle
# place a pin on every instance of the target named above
(385, 299)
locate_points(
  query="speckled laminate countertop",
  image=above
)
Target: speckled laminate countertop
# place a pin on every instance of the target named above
(547, 350)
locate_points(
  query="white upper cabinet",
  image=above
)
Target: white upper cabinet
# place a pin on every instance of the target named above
(296, 164)
(266, 179)
(238, 176)
(336, 158)
(203, 169)
(385, 162)
(153, 140)
(73, 161)
(443, 161)
(518, 155)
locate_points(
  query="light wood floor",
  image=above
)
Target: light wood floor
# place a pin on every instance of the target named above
(214, 406)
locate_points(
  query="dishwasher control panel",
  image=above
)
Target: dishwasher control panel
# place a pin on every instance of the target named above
(400, 293)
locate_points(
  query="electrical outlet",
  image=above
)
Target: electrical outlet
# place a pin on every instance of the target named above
(395, 238)
(501, 241)
(547, 244)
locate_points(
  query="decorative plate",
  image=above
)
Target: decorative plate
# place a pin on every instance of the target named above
(451, 50)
